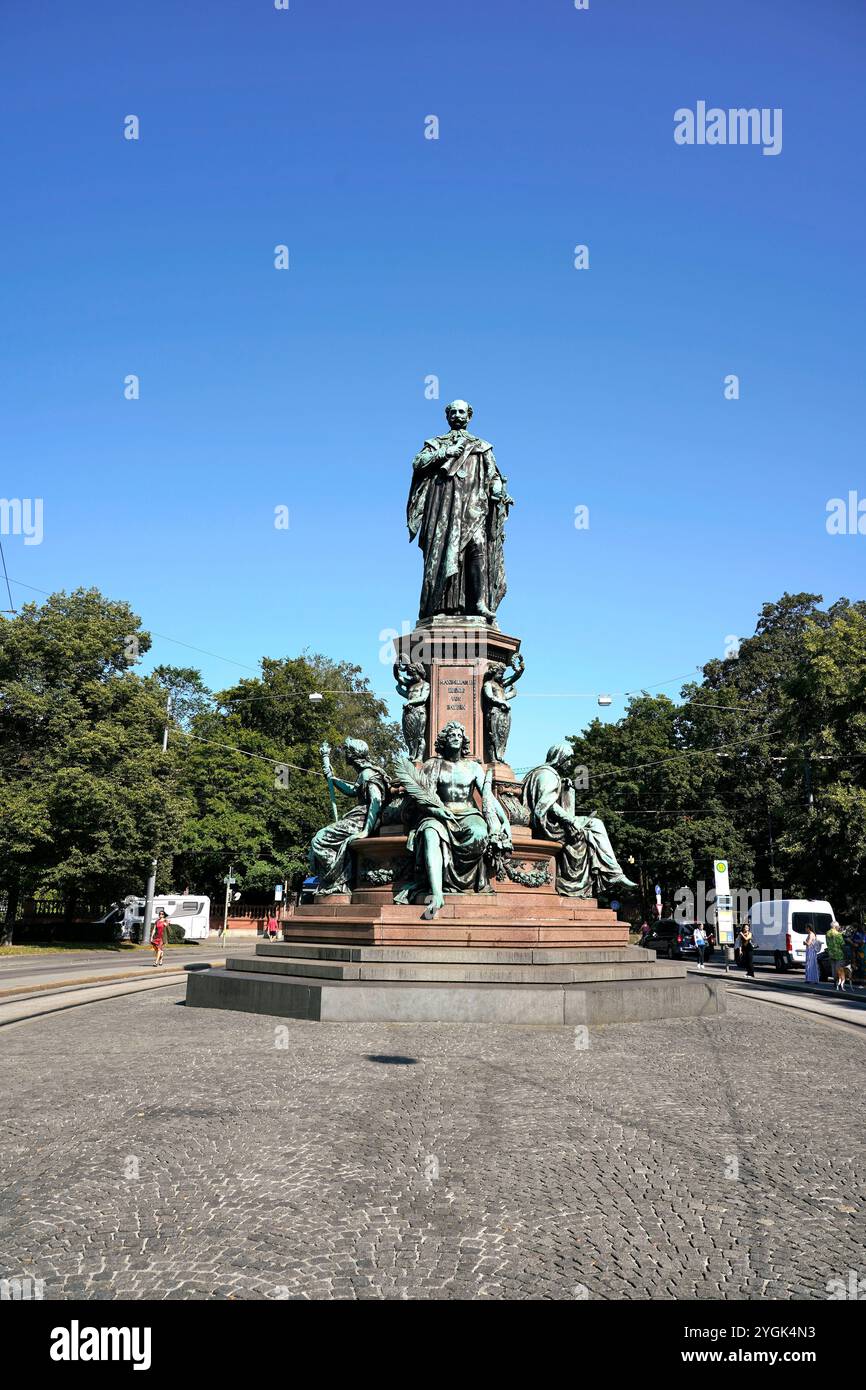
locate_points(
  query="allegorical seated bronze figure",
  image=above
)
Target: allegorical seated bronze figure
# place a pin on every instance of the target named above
(456, 845)
(587, 856)
(329, 851)
(457, 506)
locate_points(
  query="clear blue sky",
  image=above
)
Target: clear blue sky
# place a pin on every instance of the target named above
(453, 257)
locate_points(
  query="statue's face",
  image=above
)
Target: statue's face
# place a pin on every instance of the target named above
(453, 743)
(457, 415)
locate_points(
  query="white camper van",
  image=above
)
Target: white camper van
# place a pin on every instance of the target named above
(190, 911)
(780, 926)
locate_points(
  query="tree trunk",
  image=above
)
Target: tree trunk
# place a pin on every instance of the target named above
(12, 898)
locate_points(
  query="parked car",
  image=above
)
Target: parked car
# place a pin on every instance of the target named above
(673, 940)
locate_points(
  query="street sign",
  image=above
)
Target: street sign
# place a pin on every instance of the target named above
(278, 893)
(229, 880)
(724, 904)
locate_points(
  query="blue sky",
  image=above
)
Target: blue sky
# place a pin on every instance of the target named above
(411, 257)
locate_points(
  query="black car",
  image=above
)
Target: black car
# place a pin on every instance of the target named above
(673, 940)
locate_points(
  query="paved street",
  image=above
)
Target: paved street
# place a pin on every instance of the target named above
(240, 1157)
(62, 968)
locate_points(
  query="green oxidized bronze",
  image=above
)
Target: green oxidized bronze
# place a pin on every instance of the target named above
(587, 856)
(329, 852)
(457, 847)
(413, 685)
(458, 504)
(496, 696)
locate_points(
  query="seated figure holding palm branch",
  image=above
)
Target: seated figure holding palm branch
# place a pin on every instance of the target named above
(454, 842)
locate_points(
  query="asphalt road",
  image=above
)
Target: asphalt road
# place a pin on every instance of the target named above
(60, 968)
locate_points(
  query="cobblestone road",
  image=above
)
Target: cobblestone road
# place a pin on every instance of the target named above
(154, 1151)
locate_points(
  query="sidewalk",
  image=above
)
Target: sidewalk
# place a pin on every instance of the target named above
(56, 984)
(824, 1000)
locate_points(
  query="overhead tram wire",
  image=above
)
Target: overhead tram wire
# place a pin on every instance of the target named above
(379, 694)
(11, 608)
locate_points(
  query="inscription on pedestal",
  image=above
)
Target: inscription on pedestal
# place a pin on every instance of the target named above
(457, 698)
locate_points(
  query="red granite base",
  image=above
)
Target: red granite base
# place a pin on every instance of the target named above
(498, 919)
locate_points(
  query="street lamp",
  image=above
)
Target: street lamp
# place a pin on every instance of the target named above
(605, 700)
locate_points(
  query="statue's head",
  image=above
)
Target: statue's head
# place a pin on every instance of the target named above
(496, 670)
(458, 414)
(452, 741)
(355, 750)
(559, 755)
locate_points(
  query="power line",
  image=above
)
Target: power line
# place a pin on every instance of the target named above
(382, 694)
(11, 608)
(161, 635)
(275, 762)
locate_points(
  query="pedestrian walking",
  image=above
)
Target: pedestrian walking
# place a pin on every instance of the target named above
(746, 946)
(836, 952)
(158, 935)
(813, 975)
(271, 927)
(700, 939)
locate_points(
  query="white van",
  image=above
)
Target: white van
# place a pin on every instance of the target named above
(780, 926)
(190, 911)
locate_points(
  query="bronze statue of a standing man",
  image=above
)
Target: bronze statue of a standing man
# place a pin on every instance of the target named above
(457, 507)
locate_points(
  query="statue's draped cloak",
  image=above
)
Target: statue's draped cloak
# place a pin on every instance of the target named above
(463, 845)
(329, 851)
(586, 853)
(447, 509)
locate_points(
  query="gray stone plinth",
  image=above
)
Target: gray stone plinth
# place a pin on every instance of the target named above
(423, 984)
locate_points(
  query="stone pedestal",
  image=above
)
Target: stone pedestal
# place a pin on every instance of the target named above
(455, 653)
(436, 984)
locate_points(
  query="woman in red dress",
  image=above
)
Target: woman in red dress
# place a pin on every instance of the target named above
(157, 936)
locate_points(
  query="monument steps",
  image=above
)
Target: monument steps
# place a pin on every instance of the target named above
(436, 954)
(481, 973)
(320, 983)
(469, 932)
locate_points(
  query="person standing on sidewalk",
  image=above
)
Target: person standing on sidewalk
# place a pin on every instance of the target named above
(813, 975)
(157, 936)
(700, 939)
(836, 952)
(271, 926)
(746, 946)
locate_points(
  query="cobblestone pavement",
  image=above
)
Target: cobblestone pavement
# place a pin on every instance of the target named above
(154, 1151)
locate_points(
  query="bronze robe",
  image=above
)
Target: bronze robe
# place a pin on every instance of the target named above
(449, 508)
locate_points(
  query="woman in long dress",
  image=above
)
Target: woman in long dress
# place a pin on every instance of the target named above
(746, 946)
(329, 851)
(812, 974)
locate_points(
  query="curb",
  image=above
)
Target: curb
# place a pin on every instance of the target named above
(20, 1010)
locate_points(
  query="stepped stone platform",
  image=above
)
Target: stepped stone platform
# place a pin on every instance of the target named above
(503, 917)
(433, 982)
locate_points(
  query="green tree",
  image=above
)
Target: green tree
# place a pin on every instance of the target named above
(659, 797)
(254, 769)
(823, 844)
(86, 797)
